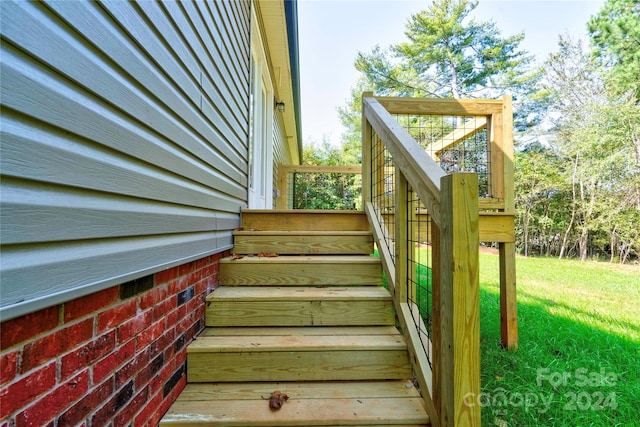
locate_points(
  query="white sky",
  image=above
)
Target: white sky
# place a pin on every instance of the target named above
(331, 32)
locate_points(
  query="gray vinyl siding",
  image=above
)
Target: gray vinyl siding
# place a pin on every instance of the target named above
(281, 155)
(123, 141)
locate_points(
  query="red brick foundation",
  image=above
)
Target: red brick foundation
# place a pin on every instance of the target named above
(115, 357)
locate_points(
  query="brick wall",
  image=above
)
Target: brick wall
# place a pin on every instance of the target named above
(116, 357)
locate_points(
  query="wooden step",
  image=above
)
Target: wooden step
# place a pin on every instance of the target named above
(303, 242)
(367, 403)
(299, 306)
(299, 356)
(301, 270)
(304, 220)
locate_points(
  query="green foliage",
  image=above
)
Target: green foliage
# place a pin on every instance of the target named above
(615, 34)
(447, 55)
(578, 195)
(327, 190)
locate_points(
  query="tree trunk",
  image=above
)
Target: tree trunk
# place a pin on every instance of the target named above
(563, 248)
(583, 244)
(613, 241)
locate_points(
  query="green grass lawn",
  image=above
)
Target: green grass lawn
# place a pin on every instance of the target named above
(579, 358)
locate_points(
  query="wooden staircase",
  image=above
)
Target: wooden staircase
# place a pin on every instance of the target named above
(313, 322)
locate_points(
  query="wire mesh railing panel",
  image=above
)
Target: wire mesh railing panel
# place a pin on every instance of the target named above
(456, 143)
(383, 189)
(324, 190)
(419, 268)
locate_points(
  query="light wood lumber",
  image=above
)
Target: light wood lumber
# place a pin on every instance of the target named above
(409, 318)
(301, 270)
(345, 242)
(468, 128)
(507, 149)
(508, 299)
(307, 220)
(306, 390)
(301, 342)
(459, 300)
(300, 313)
(283, 331)
(440, 106)
(294, 365)
(384, 251)
(367, 131)
(401, 221)
(321, 169)
(419, 168)
(300, 412)
(295, 293)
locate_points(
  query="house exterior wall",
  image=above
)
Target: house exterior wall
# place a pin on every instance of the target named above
(281, 154)
(123, 163)
(124, 142)
(115, 357)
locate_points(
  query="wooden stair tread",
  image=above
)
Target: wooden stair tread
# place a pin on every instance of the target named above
(353, 403)
(311, 233)
(293, 330)
(302, 341)
(301, 390)
(300, 293)
(304, 259)
(301, 412)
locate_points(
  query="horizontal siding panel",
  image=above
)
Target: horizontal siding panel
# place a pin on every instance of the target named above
(113, 45)
(69, 268)
(84, 66)
(96, 169)
(241, 51)
(215, 68)
(29, 89)
(237, 66)
(124, 133)
(191, 56)
(46, 213)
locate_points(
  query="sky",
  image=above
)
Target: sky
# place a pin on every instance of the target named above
(331, 32)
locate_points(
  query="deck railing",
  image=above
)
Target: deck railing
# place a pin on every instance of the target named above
(319, 187)
(427, 226)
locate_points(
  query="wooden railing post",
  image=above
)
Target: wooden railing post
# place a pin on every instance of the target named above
(508, 300)
(401, 237)
(459, 359)
(436, 323)
(366, 154)
(283, 184)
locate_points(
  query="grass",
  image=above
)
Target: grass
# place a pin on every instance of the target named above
(578, 362)
(579, 333)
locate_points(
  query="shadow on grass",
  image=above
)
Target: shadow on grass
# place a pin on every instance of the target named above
(565, 373)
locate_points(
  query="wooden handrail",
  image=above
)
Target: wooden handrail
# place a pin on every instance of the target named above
(421, 171)
(448, 368)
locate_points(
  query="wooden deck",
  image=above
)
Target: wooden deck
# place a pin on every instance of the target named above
(314, 323)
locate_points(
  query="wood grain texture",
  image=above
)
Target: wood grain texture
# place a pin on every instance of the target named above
(508, 297)
(307, 390)
(301, 270)
(284, 331)
(347, 242)
(459, 300)
(440, 106)
(418, 167)
(304, 220)
(292, 365)
(326, 411)
(300, 313)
